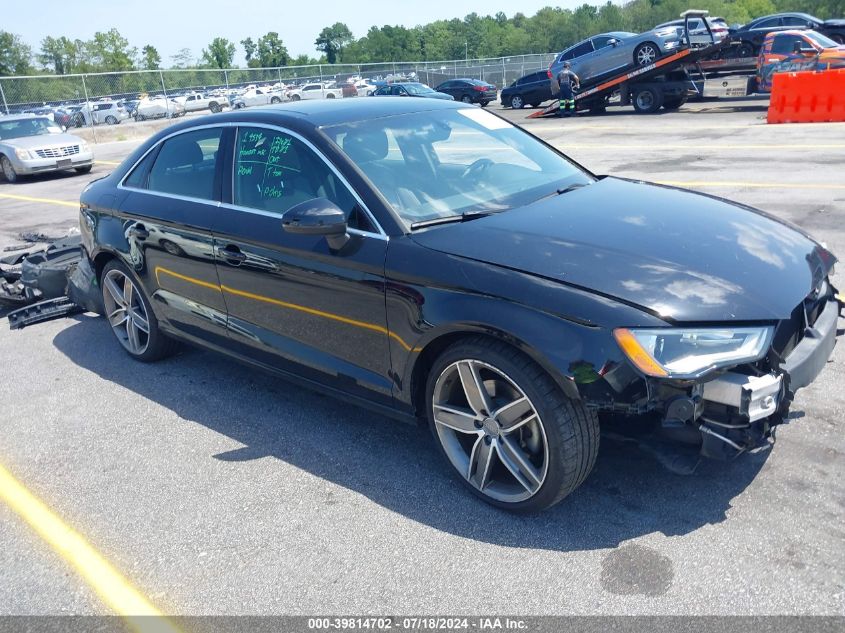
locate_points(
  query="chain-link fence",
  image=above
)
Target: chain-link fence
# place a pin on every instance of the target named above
(20, 94)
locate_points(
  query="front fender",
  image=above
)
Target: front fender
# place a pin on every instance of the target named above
(567, 331)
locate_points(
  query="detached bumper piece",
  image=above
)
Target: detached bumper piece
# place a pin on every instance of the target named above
(42, 311)
(52, 284)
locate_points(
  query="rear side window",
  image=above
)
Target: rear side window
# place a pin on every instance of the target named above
(138, 177)
(582, 49)
(186, 165)
(768, 24)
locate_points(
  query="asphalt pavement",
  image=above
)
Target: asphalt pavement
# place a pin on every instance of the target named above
(218, 489)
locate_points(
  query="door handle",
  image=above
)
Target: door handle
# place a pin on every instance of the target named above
(139, 231)
(232, 254)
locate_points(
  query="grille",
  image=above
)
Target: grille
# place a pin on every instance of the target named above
(58, 152)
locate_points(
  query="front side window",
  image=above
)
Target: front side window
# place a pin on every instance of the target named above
(768, 24)
(785, 44)
(186, 165)
(275, 171)
(430, 165)
(791, 20)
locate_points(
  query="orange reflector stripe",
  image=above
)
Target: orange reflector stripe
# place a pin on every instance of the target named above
(636, 354)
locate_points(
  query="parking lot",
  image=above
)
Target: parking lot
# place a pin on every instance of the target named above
(215, 489)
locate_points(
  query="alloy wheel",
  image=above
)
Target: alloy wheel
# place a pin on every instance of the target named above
(646, 54)
(516, 102)
(490, 431)
(126, 312)
(8, 170)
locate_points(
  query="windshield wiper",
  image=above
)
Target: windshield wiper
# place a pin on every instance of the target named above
(463, 217)
(560, 192)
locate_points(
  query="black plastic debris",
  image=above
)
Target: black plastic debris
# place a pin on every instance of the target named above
(44, 274)
(42, 311)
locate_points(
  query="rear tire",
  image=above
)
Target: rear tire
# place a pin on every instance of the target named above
(275, 100)
(552, 443)
(673, 103)
(214, 107)
(647, 100)
(746, 49)
(110, 120)
(129, 312)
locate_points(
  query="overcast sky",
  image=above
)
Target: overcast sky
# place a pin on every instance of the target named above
(170, 25)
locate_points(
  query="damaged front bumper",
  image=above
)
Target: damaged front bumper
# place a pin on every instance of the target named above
(736, 412)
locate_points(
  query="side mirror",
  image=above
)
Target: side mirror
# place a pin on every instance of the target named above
(806, 50)
(613, 42)
(318, 216)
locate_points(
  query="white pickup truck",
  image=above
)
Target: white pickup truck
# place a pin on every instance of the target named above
(196, 101)
(315, 91)
(255, 97)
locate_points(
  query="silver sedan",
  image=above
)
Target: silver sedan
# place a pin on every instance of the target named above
(607, 52)
(30, 145)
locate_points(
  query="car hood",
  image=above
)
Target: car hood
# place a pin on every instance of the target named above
(679, 255)
(436, 95)
(43, 140)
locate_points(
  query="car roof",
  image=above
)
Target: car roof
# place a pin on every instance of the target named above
(325, 112)
(24, 116)
(790, 14)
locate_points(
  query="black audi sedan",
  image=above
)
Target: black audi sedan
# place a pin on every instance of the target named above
(432, 261)
(469, 90)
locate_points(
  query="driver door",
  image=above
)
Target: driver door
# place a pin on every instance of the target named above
(293, 303)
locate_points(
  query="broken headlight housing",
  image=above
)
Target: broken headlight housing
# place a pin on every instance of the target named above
(692, 352)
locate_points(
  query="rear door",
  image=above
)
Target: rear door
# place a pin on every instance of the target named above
(293, 303)
(172, 200)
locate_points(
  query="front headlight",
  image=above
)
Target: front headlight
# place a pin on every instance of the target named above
(692, 352)
(22, 154)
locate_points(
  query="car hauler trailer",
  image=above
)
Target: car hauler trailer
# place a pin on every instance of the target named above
(665, 83)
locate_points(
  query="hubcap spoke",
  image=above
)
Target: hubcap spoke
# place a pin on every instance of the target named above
(127, 292)
(455, 419)
(115, 291)
(515, 460)
(132, 332)
(118, 317)
(480, 463)
(140, 321)
(474, 389)
(511, 415)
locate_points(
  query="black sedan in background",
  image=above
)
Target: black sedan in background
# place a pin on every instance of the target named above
(751, 36)
(410, 89)
(533, 89)
(432, 261)
(469, 90)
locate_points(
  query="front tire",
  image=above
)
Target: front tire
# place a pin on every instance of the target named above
(83, 170)
(517, 103)
(466, 99)
(131, 316)
(8, 169)
(275, 100)
(111, 120)
(646, 53)
(506, 428)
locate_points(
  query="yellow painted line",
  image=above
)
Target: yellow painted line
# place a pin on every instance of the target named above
(693, 147)
(106, 162)
(64, 203)
(755, 185)
(286, 304)
(109, 584)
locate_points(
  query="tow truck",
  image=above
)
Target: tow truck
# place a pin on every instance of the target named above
(696, 69)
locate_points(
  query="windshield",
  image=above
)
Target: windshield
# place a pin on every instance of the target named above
(821, 40)
(416, 89)
(20, 128)
(445, 163)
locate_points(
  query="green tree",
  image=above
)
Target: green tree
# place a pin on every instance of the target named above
(60, 54)
(110, 51)
(249, 49)
(219, 53)
(15, 55)
(183, 59)
(150, 59)
(272, 51)
(332, 40)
